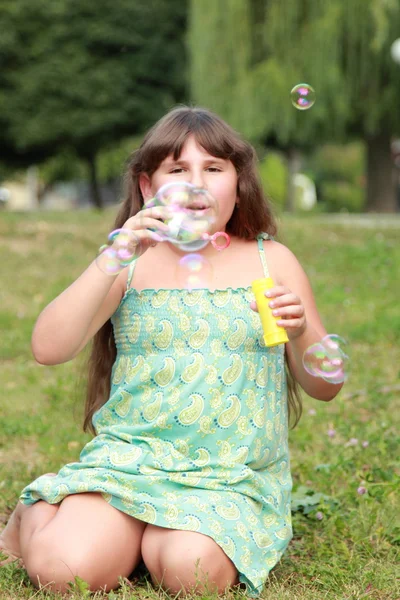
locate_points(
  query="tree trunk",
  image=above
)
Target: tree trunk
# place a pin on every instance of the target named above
(95, 193)
(381, 187)
(293, 163)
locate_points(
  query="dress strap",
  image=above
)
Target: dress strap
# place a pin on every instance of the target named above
(260, 238)
(130, 273)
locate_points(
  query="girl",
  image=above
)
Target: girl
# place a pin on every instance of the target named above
(188, 469)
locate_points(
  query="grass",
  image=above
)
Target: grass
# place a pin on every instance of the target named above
(346, 544)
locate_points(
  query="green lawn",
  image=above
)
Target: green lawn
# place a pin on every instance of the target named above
(351, 552)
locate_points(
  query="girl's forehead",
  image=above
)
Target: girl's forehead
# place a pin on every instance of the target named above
(191, 149)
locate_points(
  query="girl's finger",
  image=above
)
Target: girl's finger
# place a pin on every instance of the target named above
(277, 290)
(142, 222)
(285, 300)
(155, 236)
(146, 236)
(157, 212)
(296, 310)
(291, 323)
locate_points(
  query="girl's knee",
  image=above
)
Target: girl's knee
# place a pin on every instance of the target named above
(193, 562)
(193, 573)
(87, 538)
(56, 569)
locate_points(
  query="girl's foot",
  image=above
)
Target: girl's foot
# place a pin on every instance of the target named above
(9, 537)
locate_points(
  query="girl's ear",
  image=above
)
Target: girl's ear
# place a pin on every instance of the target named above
(145, 186)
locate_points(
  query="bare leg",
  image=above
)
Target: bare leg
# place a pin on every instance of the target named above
(86, 537)
(10, 536)
(186, 561)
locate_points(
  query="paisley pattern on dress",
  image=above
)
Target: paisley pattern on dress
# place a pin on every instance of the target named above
(194, 435)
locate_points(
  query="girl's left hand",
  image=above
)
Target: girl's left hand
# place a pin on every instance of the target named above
(288, 308)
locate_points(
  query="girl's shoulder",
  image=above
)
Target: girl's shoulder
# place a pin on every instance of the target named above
(283, 263)
(245, 255)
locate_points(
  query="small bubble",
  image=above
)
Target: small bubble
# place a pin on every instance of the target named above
(194, 272)
(123, 247)
(303, 96)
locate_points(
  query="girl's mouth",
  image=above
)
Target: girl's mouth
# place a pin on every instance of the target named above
(199, 208)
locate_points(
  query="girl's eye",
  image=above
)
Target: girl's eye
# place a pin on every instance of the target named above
(181, 170)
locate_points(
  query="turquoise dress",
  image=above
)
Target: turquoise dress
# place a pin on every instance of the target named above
(194, 435)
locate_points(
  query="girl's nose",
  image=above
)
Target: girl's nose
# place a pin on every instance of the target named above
(197, 179)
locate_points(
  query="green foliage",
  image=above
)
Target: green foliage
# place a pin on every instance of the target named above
(338, 173)
(306, 501)
(63, 166)
(341, 48)
(66, 164)
(81, 586)
(274, 178)
(341, 196)
(84, 74)
(344, 162)
(112, 160)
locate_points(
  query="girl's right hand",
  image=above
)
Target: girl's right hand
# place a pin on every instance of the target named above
(145, 225)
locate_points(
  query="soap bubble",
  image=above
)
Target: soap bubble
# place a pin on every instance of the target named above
(191, 214)
(303, 96)
(328, 359)
(119, 253)
(194, 272)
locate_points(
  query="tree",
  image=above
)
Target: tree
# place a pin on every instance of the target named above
(255, 51)
(83, 74)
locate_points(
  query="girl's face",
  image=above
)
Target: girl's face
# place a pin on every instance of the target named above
(217, 175)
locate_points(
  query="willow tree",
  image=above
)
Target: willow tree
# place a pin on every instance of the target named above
(246, 55)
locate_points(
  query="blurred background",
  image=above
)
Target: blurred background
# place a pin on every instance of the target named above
(81, 81)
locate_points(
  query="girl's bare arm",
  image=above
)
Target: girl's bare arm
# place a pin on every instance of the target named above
(65, 326)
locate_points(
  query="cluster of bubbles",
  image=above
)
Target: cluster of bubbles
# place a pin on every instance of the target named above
(120, 251)
(190, 214)
(303, 96)
(328, 359)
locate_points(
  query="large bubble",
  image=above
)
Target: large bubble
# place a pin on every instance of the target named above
(191, 214)
(328, 359)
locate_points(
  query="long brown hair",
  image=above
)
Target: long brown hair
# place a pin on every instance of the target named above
(251, 217)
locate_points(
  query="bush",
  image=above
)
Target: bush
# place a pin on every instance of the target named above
(344, 162)
(273, 172)
(342, 196)
(338, 171)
